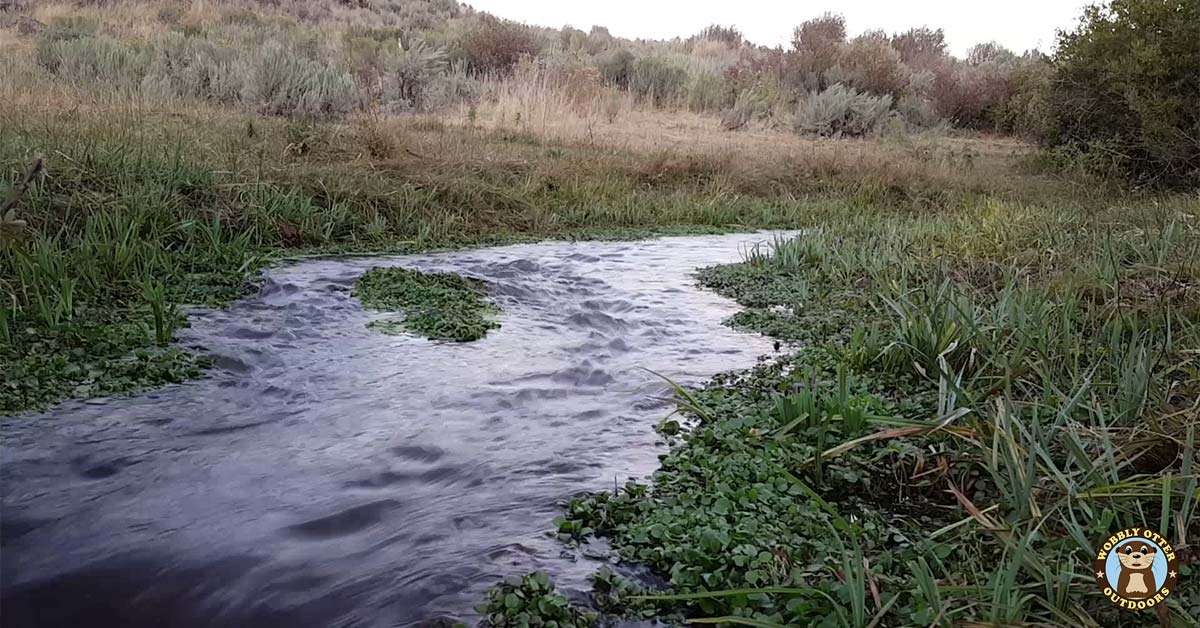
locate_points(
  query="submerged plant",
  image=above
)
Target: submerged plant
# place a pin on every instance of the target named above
(439, 306)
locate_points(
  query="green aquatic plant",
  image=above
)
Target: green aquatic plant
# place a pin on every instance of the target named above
(531, 601)
(439, 306)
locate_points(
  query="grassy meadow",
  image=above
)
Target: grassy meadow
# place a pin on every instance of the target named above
(990, 357)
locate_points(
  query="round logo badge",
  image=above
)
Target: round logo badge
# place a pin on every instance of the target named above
(1136, 568)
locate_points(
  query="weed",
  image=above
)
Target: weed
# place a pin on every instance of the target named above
(531, 601)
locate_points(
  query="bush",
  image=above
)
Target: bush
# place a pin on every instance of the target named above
(870, 64)
(971, 95)
(728, 35)
(707, 92)
(920, 47)
(277, 80)
(841, 111)
(410, 70)
(1126, 90)
(616, 66)
(751, 104)
(657, 81)
(87, 59)
(493, 45)
(818, 41)
(918, 113)
(190, 67)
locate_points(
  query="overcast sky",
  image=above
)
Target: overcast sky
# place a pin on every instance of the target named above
(1017, 24)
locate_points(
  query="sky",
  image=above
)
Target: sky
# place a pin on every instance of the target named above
(1017, 24)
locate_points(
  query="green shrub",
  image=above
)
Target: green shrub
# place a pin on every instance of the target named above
(1126, 92)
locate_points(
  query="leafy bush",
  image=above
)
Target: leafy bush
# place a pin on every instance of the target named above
(191, 67)
(1126, 91)
(493, 45)
(841, 111)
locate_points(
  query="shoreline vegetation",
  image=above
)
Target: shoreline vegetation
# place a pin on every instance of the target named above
(991, 318)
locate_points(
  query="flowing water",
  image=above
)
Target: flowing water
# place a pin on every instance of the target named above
(326, 474)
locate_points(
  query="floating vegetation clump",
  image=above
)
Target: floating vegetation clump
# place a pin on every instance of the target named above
(439, 306)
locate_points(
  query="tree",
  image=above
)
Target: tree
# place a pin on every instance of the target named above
(1126, 90)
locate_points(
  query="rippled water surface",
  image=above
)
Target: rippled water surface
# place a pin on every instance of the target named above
(329, 475)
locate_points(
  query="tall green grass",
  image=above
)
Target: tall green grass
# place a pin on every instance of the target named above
(976, 398)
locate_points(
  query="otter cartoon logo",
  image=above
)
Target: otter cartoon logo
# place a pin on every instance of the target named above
(1136, 568)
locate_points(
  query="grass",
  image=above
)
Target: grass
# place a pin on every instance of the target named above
(142, 209)
(989, 367)
(970, 406)
(439, 306)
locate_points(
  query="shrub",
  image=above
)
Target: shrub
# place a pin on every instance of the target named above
(707, 92)
(493, 45)
(918, 113)
(599, 40)
(751, 104)
(841, 111)
(616, 66)
(87, 59)
(189, 67)
(728, 35)
(870, 64)
(657, 81)
(971, 95)
(990, 52)
(1026, 113)
(920, 47)
(410, 70)
(1126, 90)
(818, 41)
(277, 80)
